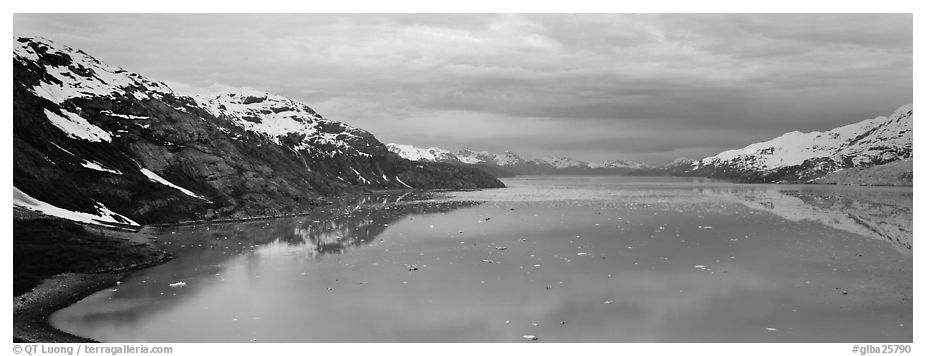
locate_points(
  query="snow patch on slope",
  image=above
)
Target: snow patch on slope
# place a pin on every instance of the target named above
(158, 179)
(77, 127)
(403, 183)
(360, 176)
(103, 216)
(124, 116)
(99, 167)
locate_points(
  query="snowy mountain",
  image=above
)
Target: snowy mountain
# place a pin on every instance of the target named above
(468, 156)
(680, 162)
(513, 162)
(94, 142)
(617, 164)
(804, 157)
(432, 154)
(284, 121)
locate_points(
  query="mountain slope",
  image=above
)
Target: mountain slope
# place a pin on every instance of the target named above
(432, 154)
(893, 173)
(94, 139)
(803, 157)
(509, 161)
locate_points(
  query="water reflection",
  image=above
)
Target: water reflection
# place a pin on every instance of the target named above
(882, 214)
(330, 231)
(629, 261)
(211, 257)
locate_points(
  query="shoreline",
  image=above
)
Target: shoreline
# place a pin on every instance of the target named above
(32, 310)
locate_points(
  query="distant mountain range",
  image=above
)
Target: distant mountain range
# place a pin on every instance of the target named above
(873, 151)
(856, 153)
(513, 163)
(99, 144)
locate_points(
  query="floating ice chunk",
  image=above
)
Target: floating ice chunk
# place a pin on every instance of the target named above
(488, 261)
(501, 248)
(609, 301)
(177, 285)
(530, 337)
(581, 254)
(771, 329)
(700, 267)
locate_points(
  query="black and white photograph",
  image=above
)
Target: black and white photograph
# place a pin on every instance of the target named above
(478, 178)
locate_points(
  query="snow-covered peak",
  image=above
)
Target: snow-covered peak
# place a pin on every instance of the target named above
(869, 141)
(282, 119)
(412, 153)
(617, 163)
(680, 162)
(469, 156)
(68, 73)
(561, 162)
(246, 100)
(509, 158)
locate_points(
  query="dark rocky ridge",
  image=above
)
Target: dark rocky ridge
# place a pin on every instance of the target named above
(237, 172)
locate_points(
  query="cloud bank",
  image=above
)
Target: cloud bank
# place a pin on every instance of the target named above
(645, 87)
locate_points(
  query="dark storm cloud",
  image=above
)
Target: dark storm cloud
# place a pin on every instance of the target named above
(594, 86)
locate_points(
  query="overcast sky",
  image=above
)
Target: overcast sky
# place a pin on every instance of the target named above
(594, 87)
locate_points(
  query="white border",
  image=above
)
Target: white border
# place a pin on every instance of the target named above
(481, 6)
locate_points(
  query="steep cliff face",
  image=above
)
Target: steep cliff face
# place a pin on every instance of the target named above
(98, 140)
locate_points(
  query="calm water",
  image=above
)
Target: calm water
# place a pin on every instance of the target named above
(565, 259)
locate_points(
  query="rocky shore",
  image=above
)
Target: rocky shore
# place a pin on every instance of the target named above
(58, 262)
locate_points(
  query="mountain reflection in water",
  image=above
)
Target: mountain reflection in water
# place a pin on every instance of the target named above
(325, 232)
(206, 253)
(567, 259)
(885, 215)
